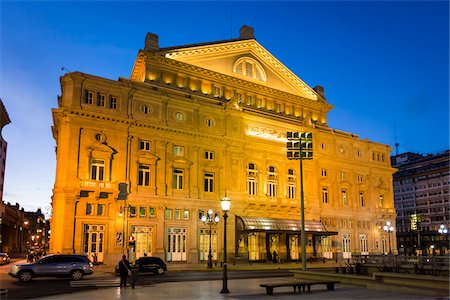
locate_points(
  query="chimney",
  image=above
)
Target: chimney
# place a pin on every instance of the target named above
(151, 42)
(246, 32)
(320, 90)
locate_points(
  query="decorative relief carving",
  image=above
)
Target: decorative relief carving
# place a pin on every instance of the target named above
(266, 133)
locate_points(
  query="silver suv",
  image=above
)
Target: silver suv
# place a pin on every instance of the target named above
(54, 265)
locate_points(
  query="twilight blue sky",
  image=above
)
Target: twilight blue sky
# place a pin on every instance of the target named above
(384, 65)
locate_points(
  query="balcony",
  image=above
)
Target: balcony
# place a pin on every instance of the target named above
(100, 189)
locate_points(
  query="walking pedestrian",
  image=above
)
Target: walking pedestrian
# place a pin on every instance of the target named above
(124, 270)
(134, 275)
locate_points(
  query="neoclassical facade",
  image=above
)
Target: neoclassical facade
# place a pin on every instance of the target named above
(140, 160)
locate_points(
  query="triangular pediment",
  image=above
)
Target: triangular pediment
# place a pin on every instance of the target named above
(225, 57)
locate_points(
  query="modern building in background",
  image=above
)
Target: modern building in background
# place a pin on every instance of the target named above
(421, 195)
(140, 160)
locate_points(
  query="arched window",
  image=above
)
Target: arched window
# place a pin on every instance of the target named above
(249, 67)
(272, 181)
(291, 184)
(252, 179)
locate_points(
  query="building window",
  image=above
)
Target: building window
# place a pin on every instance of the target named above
(361, 199)
(209, 155)
(97, 169)
(151, 212)
(144, 175)
(249, 100)
(178, 150)
(209, 182)
(259, 103)
(324, 172)
(142, 211)
(200, 214)
(145, 109)
(177, 183)
(272, 182)
(343, 175)
(324, 195)
(186, 214)
(216, 91)
(177, 214)
(252, 179)
(112, 102)
(132, 211)
(291, 184)
(360, 178)
(363, 244)
(144, 145)
(88, 97)
(210, 122)
(101, 99)
(344, 197)
(89, 211)
(100, 209)
(249, 67)
(168, 214)
(381, 200)
(179, 116)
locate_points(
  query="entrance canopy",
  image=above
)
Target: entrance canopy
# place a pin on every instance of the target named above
(280, 225)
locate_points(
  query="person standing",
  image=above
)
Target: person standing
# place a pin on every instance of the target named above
(134, 275)
(124, 268)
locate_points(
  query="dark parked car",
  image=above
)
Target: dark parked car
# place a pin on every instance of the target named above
(54, 265)
(149, 264)
(4, 259)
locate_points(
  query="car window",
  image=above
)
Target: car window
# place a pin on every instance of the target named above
(47, 260)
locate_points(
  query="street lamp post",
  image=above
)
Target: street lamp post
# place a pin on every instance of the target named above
(225, 203)
(299, 147)
(389, 229)
(210, 221)
(443, 231)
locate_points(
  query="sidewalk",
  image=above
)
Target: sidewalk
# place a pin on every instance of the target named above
(242, 289)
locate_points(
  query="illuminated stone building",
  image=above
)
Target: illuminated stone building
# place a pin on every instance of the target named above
(197, 122)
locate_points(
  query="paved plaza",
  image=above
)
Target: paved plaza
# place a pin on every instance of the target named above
(242, 289)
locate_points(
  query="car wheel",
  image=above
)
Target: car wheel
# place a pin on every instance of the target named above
(160, 271)
(25, 276)
(76, 275)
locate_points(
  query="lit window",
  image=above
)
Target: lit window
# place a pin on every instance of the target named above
(178, 150)
(343, 175)
(361, 199)
(151, 212)
(186, 215)
(360, 178)
(145, 109)
(324, 172)
(177, 214)
(168, 214)
(344, 197)
(132, 211)
(142, 211)
(381, 200)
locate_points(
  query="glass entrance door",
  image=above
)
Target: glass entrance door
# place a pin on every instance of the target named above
(143, 236)
(93, 242)
(176, 244)
(204, 244)
(327, 251)
(253, 246)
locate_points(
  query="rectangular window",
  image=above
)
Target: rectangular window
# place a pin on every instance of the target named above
(209, 155)
(100, 209)
(209, 182)
(186, 215)
(343, 175)
(142, 211)
(361, 199)
(151, 212)
(97, 169)
(144, 175)
(144, 145)
(112, 102)
(200, 214)
(324, 195)
(177, 214)
(101, 100)
(88, 209)
(381, 200)
(168, 214)
(291, 191)
(344, 197)
(177, 180)
(132, 211)
(324, 172)
(178, 150)
(88, 97)
(360, 178)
